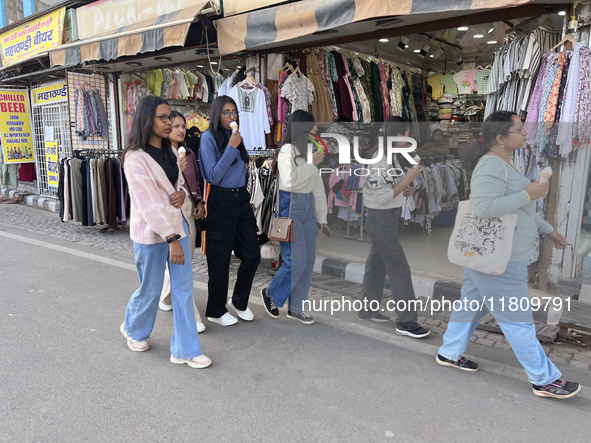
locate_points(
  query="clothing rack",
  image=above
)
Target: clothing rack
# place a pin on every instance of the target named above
(95, 152)
(361, 216)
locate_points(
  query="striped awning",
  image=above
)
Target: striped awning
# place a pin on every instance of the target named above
(286, 22)
(145, 36)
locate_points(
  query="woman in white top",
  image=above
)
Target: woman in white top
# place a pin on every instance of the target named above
(301, 198)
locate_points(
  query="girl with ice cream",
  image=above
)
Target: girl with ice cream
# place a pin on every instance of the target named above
(188, 165)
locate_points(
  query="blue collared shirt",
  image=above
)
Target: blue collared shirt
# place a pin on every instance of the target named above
(227, 171)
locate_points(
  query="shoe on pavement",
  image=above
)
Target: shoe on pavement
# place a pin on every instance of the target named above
(270, 307)
(557, 389)
(199, 362)
(380, 318)
(419, 332)
(225, 320)
(302, 317)
(245, 315)
(164, 307)
(463, 363)
(134, 345)
(200, 327)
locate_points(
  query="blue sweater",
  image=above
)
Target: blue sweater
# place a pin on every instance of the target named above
(488, 184)
(227, 171)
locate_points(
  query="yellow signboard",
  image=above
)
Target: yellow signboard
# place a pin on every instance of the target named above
(33, 38)
(15, 126)
(52, 163)
(50, 94)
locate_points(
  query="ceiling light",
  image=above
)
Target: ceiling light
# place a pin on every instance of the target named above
(424, 50)
(134, 64)
(417, 50)
(238, 67)
(491, 42)
(403, 43)
(478, 35)
(200, 66)
(214, 63)
(163, 59)
(431, 56)
(561, 13)
(463, 28)
(384, 40)
(491, 30)
(437, 53)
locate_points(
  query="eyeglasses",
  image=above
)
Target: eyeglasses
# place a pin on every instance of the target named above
(520, 131)
(166, 118)
(230, 113)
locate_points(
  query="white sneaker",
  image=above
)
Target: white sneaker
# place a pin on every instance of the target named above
(165, 307)
(225, 320)
(200, 327)
(134, 345)
(245, 315)
(199, 362)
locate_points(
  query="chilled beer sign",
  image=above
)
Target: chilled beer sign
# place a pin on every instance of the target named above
(15, 126)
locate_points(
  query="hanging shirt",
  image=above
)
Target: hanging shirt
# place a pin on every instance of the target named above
(481, 79)
(254, 117)
(450, 85)
(464, 86)
(436, 86)
(299, 90)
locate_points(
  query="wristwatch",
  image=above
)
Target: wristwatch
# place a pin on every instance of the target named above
(173, 238)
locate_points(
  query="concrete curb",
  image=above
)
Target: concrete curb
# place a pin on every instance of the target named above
(425, 286)
(46, 203)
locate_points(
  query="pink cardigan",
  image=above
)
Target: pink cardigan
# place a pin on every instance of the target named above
(153, 217)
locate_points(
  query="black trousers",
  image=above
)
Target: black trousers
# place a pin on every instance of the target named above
(231, 225)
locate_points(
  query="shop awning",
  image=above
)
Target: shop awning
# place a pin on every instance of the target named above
(290, 21)
(145, 36)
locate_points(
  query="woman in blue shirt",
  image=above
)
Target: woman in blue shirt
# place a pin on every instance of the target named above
(231, 224)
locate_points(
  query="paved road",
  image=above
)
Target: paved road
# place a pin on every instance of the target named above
(68, 375)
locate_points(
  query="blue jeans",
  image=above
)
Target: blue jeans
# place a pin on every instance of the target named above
(496, 292)
(292, 281)
(151, 261)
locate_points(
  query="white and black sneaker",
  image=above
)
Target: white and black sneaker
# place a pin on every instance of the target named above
(301, 317)
(270, 307)
(463, 363)
(418, 332)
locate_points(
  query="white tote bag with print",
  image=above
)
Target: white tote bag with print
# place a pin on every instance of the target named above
(482, 244)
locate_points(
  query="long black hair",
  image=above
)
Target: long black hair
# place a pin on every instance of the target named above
(299, 124)
(498, 123)
(218, 131)
(176, 114)
(141, 129)
(391, 128)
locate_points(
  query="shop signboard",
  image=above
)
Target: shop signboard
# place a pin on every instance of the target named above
(15, 126)
(52, 163)
(50, 94)
(32, 38)
(107, 16)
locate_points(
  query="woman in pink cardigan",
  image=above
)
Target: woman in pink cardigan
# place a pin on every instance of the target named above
(160, 234)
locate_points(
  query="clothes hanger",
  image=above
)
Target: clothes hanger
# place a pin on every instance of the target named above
(567, 38)
(479, 67)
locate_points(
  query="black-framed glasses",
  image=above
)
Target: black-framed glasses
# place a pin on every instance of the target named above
(233, 113)
(166, 118)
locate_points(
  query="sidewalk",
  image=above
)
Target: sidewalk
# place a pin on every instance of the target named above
(484, 344)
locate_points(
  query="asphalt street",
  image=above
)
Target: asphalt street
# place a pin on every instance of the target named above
(68, 376)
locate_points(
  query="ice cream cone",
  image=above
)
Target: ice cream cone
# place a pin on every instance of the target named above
(234, 126)
(545, 174)
(182, 151)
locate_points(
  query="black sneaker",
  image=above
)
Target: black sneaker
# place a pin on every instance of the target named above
(270, 307)
(557, 389)
(419, 332)
(380, 318)
(301, 317)
(463, 363)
